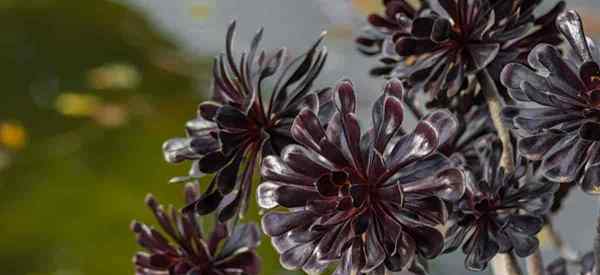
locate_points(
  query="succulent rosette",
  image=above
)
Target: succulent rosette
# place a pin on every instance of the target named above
(441, 48)
(558, 111)
(370, 201)
(188, 251)
(243, 124)
(378, 36)
(500, 212)
(475, 124)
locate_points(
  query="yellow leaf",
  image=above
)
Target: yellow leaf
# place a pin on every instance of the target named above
(78, 105)
(114, 76)
(200, 11)
(367, 7)
(12, 135)
(111, 115)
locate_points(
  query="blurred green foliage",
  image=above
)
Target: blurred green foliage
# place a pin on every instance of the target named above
(67, 198)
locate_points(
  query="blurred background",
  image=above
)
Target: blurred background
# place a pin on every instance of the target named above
(91, 89)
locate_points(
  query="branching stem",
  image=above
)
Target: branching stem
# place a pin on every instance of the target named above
(495, 104)
(597, 248)
(535, 265)
(505, 264)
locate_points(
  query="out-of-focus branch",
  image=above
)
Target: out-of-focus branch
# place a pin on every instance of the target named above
(506, 264)
(552, 236)
(597, 247)
(535, 265)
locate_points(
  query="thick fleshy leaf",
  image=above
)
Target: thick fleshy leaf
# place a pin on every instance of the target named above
(535, 147)
(277, 223)
(227, 177)
(230, 205)
(389, 122)
(571, 26)
(408, 46)
(231, 118)
(266, 196)
(429, 240)
(296, 257)
(246, 262)
(590, 74)
(563, 161)
(404, 256)
(565, 78)
(292, 196)
(274, 169)
(421, 169)
(244, 236)
(304, 161)
(590, 181)
(525, 224)
(441, 30)
(314, 266)
(590, 131)
(524, 245)
(207, 203)
(455, 237)
(448, 184)
(307, 130)
(208, 109)
(351, 140)
(212, 162)
(514, 74)
(480, 250)
(483, 54)
(346, 97)
(445, 125)
(431, 211)
(422, 142)
(422, 27)
(326, 187)
(535, 120)
(558, 267)
(177, 150)
(373, 249)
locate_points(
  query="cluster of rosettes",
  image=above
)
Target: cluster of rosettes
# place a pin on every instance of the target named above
(189, 251)
(441, 48)
(375, 201)
(242, 125)
(558, 115)
(368, 200)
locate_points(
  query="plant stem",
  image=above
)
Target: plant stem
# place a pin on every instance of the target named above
(535, 265)
(495, 104)
(506, 264)
(566, 252)
(597, 248)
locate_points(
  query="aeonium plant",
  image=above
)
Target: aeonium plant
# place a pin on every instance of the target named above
(510, 121)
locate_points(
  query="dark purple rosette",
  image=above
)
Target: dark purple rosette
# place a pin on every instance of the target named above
(369, 201)
(186, 250)
(243, 124)
(474, 125)
(558, 110)
(378, 37)
(500, 212)
(441, 48)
